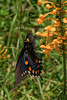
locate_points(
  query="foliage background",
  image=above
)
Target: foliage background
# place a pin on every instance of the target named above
(15, 24)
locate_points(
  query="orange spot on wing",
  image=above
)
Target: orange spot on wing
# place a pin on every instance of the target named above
(38, 66)
(26, 62)
(33, 71)
(39, 61)
(30, 68)
(36, 61)
(38, 71)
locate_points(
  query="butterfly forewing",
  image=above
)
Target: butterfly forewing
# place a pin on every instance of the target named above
(21, 69)
(34, 64)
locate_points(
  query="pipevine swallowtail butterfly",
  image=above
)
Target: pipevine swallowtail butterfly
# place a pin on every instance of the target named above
(28, 61)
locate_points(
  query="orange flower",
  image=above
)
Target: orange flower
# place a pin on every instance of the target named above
(65, 33)
(38, 33)
(65, 20)
(48, 6)
(41, 35)
(66, 12)
(48, 32)
(3, 52)
(53, 29)
(48, 48)
(8, 56)
(65, 36)
(54, 12)
(56, 42)
(48, 27)
(40, 2)
(56, 22)
(40, 41)
(43, 46)
(45, 34)
(41, 16)
(39, 21)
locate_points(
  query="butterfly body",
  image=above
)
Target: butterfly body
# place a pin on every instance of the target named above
(28, 61)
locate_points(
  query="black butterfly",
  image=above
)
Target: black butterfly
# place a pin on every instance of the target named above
(28, 61)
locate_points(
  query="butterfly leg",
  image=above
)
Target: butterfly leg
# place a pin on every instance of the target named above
(41, 78)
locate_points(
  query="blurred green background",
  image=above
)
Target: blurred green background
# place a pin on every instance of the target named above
(17, 19)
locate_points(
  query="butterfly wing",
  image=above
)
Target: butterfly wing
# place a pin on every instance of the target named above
(34, 63)
(21, 69)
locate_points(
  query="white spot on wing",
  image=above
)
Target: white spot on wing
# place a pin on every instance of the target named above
(35, 76)
(21, 74)
(25, 71)
(29, 72)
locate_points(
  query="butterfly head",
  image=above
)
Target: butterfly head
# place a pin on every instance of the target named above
(30, 39)
(28, 44)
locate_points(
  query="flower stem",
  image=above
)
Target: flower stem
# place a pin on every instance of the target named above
(63, 48)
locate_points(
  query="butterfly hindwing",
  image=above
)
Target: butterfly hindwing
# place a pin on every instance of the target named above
(34, 64)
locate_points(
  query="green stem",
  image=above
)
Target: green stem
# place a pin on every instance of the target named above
(63, 48)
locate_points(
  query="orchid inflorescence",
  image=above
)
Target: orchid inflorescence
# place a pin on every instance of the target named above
(53, 29)
(3, 53)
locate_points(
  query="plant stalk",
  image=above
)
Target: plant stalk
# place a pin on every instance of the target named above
(63, 47)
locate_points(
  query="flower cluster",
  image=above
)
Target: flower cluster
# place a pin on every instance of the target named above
(3, 53)
(52, 30)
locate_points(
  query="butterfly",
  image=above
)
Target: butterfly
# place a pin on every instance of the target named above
(28, 61)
